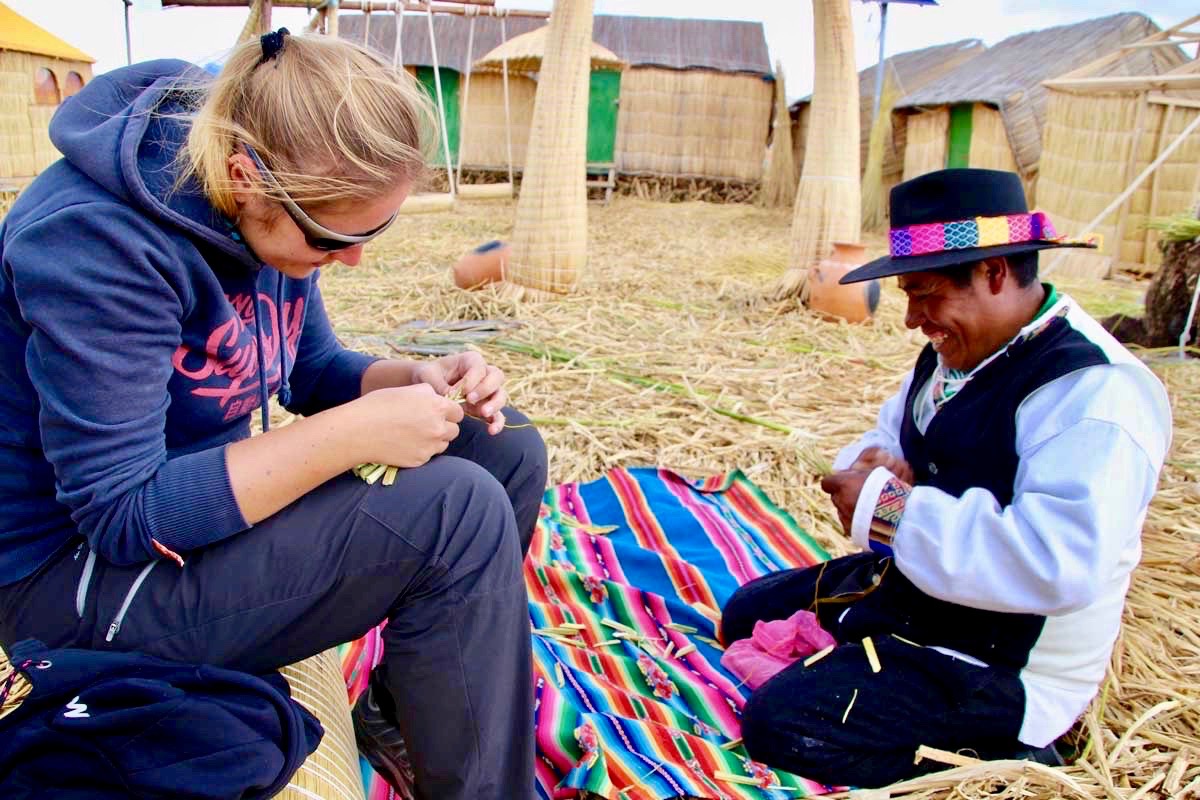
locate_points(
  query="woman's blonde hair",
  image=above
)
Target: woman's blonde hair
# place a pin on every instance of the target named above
(333, 122)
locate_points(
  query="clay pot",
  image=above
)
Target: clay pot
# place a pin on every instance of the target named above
(855, 302)
(485, 264)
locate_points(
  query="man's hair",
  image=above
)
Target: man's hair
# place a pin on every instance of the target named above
(1024, 268)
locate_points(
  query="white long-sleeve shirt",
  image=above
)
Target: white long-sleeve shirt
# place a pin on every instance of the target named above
(1090, 446)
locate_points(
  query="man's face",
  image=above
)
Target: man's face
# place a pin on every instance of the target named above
(957, 319)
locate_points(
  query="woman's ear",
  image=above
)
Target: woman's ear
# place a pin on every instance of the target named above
(243, 177)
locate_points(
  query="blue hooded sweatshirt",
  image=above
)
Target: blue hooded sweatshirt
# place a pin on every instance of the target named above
(137, 336)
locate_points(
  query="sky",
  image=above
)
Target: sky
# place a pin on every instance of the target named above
(204, 34)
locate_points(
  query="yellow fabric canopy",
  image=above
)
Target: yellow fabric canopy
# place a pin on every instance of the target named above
(18, 33)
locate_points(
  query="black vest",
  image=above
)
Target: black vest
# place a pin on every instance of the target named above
(971, 442)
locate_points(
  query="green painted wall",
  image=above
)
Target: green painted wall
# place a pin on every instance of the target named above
(602, 116)
(958, 149)
(450, 97)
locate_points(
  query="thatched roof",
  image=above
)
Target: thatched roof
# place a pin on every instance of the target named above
(1009, 75)
(21, 35)
(1020, 63)
(911, 70)
(524, 54)
(722, 45)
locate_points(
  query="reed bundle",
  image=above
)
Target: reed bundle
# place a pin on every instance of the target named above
(779, 182)
(828, 202)
(549, 243)
(874, 190)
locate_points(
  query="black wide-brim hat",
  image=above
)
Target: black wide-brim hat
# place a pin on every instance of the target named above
(959, 216)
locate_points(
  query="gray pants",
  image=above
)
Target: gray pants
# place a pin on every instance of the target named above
(438, 554)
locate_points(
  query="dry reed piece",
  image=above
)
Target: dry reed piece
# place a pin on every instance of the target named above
(549, 242)
(828, 202)
(779, 181)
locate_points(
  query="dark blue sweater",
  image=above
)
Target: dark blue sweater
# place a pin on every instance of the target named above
(135, 335)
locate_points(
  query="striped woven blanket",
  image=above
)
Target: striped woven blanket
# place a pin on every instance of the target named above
(626, 576)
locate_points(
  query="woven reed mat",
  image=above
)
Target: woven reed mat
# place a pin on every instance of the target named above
(332, 772)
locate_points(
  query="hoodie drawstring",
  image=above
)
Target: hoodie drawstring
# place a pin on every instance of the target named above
(262, 368)
(285, 390)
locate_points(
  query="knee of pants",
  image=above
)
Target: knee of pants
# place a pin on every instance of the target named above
(528, 481)
(454, 510)
(768, 739)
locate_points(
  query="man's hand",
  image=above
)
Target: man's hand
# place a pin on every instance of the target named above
(844, 488)
(874, 457)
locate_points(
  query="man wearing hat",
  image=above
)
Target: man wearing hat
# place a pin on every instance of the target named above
(998, 503)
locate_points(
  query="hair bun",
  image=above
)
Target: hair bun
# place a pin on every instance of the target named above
(272, 44)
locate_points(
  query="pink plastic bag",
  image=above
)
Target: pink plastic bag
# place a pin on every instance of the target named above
(775, 645)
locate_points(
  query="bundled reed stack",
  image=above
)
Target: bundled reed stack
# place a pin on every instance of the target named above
(828, 203)
(549, 241)
(779, 182)
(874, 193)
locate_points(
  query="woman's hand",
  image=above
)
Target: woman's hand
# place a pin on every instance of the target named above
(480, 384)
(405, 426)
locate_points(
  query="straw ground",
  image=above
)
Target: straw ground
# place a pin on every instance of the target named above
(668, 355)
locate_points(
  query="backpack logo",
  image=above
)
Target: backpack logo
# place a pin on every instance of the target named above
(76, 709)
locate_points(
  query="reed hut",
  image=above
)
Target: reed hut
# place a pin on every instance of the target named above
(905, 73)
(37, 71)
(695, 101)
(990, 111)
(1108, 124)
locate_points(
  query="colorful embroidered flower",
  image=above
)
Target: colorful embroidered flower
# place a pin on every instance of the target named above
(557, 543)
(599, 592)
(761, 773)
(586, 736)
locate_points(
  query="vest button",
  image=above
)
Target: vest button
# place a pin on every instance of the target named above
(932, 468)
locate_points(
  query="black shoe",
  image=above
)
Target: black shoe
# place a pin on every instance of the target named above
(380, 742)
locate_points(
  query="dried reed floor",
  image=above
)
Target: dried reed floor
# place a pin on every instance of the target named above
(668, 355)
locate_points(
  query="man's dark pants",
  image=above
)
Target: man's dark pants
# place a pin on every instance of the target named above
(438, 554)
(839, 722)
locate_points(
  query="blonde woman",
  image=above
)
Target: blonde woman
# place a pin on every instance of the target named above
(159, 284)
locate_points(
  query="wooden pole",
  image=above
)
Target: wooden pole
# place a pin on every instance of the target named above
(331, 19)
(1149, 170)
(441, 101)
(128, 44)
(466, 99)
(1147, 242)
(1139, 127)
(507, 110)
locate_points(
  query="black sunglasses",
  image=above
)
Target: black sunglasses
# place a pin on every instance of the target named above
(316, 235)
